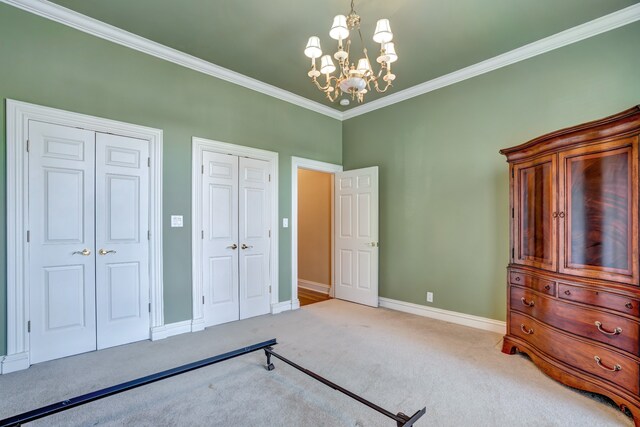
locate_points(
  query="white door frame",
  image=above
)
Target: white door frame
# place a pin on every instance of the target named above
(198, 146)
(315, 165)
(18, 116)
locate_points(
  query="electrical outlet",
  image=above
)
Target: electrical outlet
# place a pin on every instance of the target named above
(429, 296)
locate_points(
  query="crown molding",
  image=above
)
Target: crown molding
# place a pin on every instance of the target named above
(572, 35)
(108, 32)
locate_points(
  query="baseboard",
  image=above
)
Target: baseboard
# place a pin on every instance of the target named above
(314, 286)
(14, 362)
(446, 315)
(166, 331)
(281, 306)
(197, 325)
(295, 304)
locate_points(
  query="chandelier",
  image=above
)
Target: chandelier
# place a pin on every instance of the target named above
(351, 79)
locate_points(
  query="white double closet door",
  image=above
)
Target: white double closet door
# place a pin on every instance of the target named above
(88, 242)
(235, 237)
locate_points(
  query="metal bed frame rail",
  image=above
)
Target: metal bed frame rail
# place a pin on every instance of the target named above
(401, 419)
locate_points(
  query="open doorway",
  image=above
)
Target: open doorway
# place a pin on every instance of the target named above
(315, 213)
(354, 233)
(312, 230)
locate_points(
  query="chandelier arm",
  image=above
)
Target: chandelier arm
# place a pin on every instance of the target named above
(387, 86)
(323, 88)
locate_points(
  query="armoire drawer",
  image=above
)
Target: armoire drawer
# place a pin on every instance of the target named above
(594, 324)
(533, 282)
(591, 358)
(599, 298)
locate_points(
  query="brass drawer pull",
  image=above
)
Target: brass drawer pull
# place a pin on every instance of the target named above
(629, 305)
(517, 278)
(554, 215)
(525, 330)
(616, 331)
(561, 214)
(547, 287)
(528, 304)
(615, 368)
(567, 292)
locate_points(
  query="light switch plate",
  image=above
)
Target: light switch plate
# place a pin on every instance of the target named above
(176, 221)
(285, 222)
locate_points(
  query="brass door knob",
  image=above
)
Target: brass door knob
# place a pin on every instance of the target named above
(84, 252)
(245, 246)
(234, 246)
(104, 252)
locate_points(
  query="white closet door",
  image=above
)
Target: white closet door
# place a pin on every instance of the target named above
(356, 235)
(254, 238)
(61, 229)
(122, 243)
(220, 238)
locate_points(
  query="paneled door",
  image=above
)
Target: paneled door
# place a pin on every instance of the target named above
(122, 242)
(235, 237)
(220, 238)
(254, 238)
(535, 213)
(356, 235)
(61, 241)
(598, 185)
(88, 240)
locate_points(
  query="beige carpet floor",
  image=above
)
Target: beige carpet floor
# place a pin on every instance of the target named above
(399, 361)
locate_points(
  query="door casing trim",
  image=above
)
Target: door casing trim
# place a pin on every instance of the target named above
(18, 115)
(315, 165)
(199, 145)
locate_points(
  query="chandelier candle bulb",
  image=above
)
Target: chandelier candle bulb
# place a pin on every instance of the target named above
(326, 65)
(351, 79)
(339, 30)
(389, 53)
(383, 32)
(363, 66)
(313, 50)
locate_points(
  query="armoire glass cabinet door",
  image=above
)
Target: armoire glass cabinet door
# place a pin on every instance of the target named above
(599, 231)
(535, 228)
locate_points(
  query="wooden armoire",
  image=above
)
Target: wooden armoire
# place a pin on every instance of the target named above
(573, 279)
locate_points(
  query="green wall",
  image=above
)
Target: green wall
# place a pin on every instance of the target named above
(50, 64)
(443, 185)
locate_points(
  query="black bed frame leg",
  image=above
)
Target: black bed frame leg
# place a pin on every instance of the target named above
(405, 420)
(267, 353)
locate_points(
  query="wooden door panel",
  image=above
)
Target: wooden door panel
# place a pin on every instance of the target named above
(535, 227)
(220, 238)
(61, 248)
(254, 240)
(598, 187)
(122, 244)
(356, 235)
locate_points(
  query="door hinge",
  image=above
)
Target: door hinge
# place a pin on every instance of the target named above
(269, 288)
(202, 234)
(149, 307)
(513, 253)
(148, 161)
(511, 172)
(28, 236)
(148, 234)
(202, 170)
(202, 299)
(512, 212)
(269, 177)
(269, 233)
(29, 326)
(28, 143)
